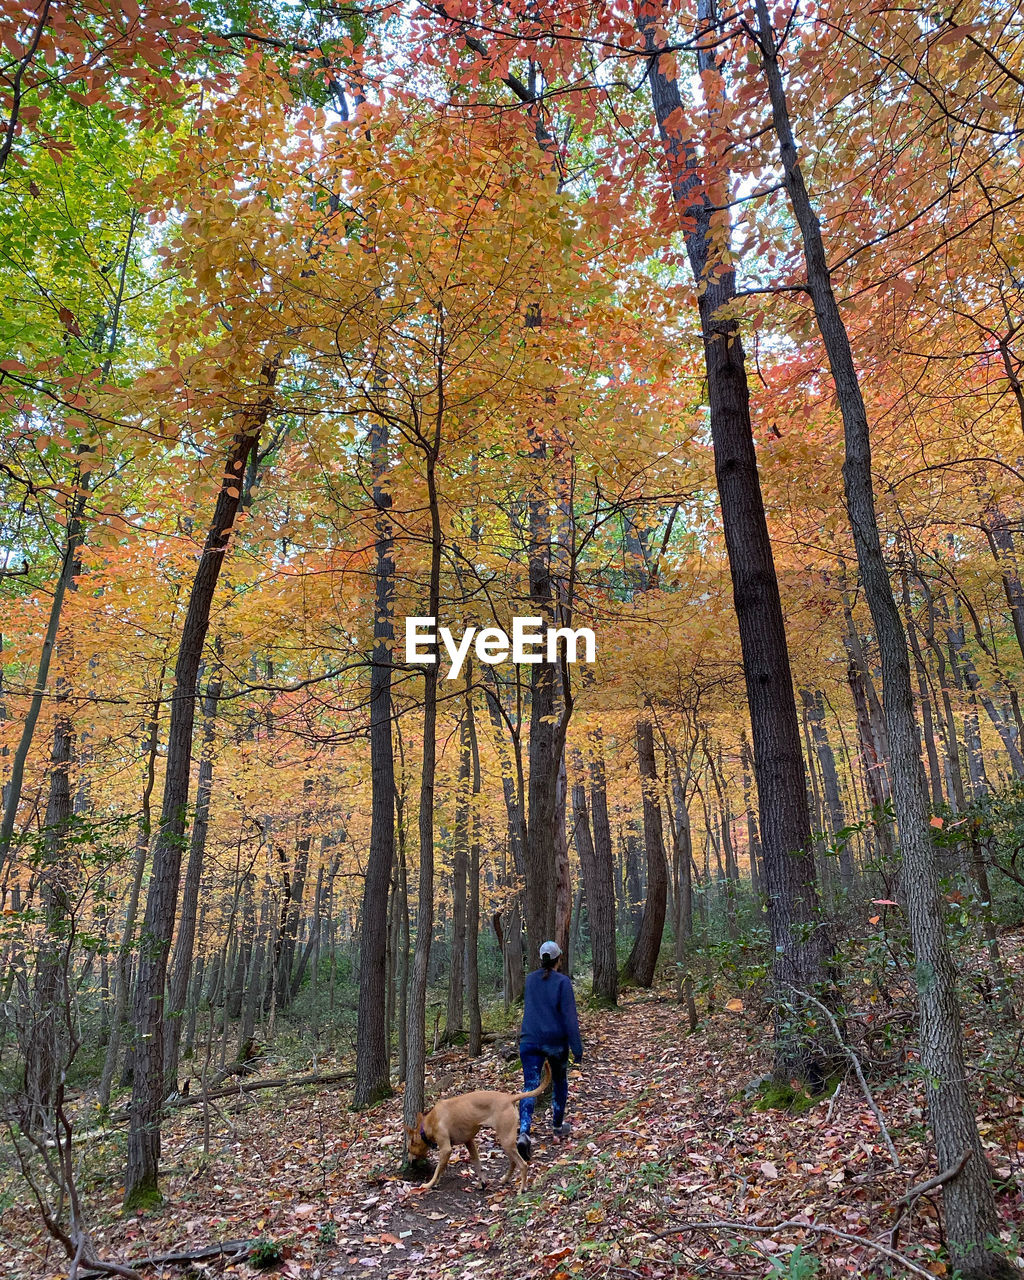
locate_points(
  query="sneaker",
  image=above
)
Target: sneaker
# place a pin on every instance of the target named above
(523, 1145)
(561, 1131)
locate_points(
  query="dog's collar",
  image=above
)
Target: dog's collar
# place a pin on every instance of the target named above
(427, 1140)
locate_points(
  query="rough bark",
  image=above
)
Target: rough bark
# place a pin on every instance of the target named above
(455, 1014)
(473, 899)
(643, 959)
(184, 944)
(599, 888)
(544, 750)
(372, 1057)
(47, 1033)
(562, 881)
(65, 581)
(143, 1159)
(416, 1036)
(510, 934)
(798, 936)
(971, 1218)
(814, 705)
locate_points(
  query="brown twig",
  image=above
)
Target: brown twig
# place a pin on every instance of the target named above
(947, 1175)
(226, 1249)
(858, 1070)
(723, 1224)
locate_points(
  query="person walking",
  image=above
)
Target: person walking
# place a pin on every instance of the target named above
(550, 1030)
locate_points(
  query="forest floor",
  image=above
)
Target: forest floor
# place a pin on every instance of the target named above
(665, 1132)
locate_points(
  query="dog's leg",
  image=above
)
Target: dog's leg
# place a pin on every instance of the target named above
(516, 1164)
(444, 1151)
(474, 1155)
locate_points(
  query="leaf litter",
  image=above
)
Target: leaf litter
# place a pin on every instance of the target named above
(664, 1134)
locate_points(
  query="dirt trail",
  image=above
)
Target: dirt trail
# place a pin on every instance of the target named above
(665, 1131)
(423, 1233)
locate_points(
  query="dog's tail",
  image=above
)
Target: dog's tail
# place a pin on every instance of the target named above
(545, 1080)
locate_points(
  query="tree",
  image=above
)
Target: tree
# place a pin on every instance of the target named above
(971, 1219)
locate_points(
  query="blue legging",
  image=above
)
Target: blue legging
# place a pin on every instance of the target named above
(533, 1065)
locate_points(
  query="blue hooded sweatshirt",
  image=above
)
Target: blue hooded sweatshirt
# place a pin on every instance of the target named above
(549, 1014)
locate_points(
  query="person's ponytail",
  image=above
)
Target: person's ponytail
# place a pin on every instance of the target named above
(547, 964)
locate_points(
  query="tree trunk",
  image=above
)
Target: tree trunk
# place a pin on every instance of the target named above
(416, 1043)
(599, 887)
(562, 882)
(122, 966)
(971, 1218)
(683, 857)
(454, 1020)
(291, 904)
(814, 705)
(143, 1158)
(46, 1036)
(1004, 552)
(185, 941)
(798, 936)
(753, 838)
(373, 1080)
(961, 657)
(544, 747)
(65, 582)
(643, 959)
(473, 903)
(921, 669)
(511, 930)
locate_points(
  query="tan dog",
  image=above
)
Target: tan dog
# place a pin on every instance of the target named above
(458, 1120)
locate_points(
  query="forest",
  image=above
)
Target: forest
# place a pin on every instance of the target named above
(484, 474)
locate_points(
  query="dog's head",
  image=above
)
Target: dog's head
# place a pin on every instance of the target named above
(418, 1147)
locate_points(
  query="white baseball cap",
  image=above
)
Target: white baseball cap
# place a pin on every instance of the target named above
(551, 949)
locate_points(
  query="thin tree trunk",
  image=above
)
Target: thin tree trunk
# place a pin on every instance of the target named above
(921, 670)
(562, 883)
(46, 1035)
(971, 1218)
(599, 887)
(814, 707)
(544, 746)
(511, 939)
(473, 902)
(65, 581)
(684, 894)
(416, 1043)
(799, 938)
(143, 1157)
(122, 966)
(643, 959)
(454, 1020)
(185, 941)
(1004, 552)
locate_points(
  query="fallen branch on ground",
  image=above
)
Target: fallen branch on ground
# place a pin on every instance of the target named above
(855, 1063)
(724, 1224)
(249, 1086)
(947, 1175)
(231, 1091)
(226, 1249)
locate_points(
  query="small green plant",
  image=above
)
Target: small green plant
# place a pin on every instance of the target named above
(797, 1266)
(265, 1254)
(327, 1233)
